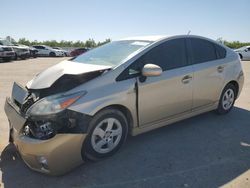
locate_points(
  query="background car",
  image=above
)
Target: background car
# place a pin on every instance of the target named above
(44, 50)
(78, 51)
(33, 52)
(6, 53)
(21, 51)
(66, 53)
(244, 52)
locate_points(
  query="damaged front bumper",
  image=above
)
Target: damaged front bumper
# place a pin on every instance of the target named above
(54, 156)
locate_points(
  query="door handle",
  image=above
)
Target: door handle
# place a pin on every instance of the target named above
(220, 69)
(186, 79)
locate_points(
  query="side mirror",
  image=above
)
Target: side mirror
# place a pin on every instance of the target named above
(151, 70)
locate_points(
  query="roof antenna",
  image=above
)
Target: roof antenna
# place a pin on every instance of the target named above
(189, 32)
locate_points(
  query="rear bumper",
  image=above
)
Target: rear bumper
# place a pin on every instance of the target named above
(7, 54)
(54, 156)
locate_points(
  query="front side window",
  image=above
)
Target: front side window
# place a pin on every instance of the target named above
(168, 55)
(111, 54)
(202, 50)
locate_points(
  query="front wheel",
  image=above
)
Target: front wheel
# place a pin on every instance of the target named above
(227, 99)
(107, 132)
(52, 54)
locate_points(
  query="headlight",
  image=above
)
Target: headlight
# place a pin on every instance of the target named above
(54, 104)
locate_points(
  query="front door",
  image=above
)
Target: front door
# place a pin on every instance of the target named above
(170, 93)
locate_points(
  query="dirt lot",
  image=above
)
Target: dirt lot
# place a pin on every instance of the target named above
(204, 151)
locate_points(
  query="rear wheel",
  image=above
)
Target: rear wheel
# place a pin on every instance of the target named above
(52, 54)
(107, 132)
(227, 99)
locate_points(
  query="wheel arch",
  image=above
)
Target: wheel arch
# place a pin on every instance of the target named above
(241, 57)
(125, 111)
(236, 85)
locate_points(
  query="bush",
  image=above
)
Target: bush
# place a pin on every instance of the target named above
(90, 43)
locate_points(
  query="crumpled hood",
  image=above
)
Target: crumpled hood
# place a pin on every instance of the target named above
(46, 78)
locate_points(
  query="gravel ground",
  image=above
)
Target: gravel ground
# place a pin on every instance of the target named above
(204, 151)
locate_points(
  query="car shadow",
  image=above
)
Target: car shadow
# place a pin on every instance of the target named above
(204, 151)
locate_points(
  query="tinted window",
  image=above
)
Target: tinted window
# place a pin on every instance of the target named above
(169, 55)
(37, 47)
(202, 50)
(221, 52)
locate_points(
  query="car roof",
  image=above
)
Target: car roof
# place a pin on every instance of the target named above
(152, 38)
(155, 38)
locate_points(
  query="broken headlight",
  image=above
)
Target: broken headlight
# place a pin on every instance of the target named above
(54, 104)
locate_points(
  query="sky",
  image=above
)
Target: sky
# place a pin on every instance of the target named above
(102, 19)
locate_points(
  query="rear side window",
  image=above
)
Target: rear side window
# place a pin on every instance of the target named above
(169, 55)
(37, 47)
(221, 52)
(202, 50)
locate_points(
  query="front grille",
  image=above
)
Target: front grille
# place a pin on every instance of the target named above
(27, 104)
(7, 49)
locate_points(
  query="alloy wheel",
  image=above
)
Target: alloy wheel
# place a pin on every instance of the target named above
(106, 135)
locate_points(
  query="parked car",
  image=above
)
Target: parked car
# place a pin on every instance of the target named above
(48, 51)
(244, 52)
(78, 51)
(33, 52)
(6, 53)
(21, 51)
(85, 107)
(66, 53)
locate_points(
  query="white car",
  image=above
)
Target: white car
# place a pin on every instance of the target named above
(48, 51)
(66, 53)
(21, 51)
(244, 52)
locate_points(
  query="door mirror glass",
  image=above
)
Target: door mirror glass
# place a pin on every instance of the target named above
(151, 70)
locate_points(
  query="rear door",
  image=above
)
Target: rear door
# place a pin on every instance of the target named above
(208, 66)
(170, 93)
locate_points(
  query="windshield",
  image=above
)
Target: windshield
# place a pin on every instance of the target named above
(5, 43)
(111, 54)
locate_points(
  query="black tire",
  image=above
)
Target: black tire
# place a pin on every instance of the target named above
(23, 57)
(240, 56)
(88, 152)
(52, 54)
(221, 109)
